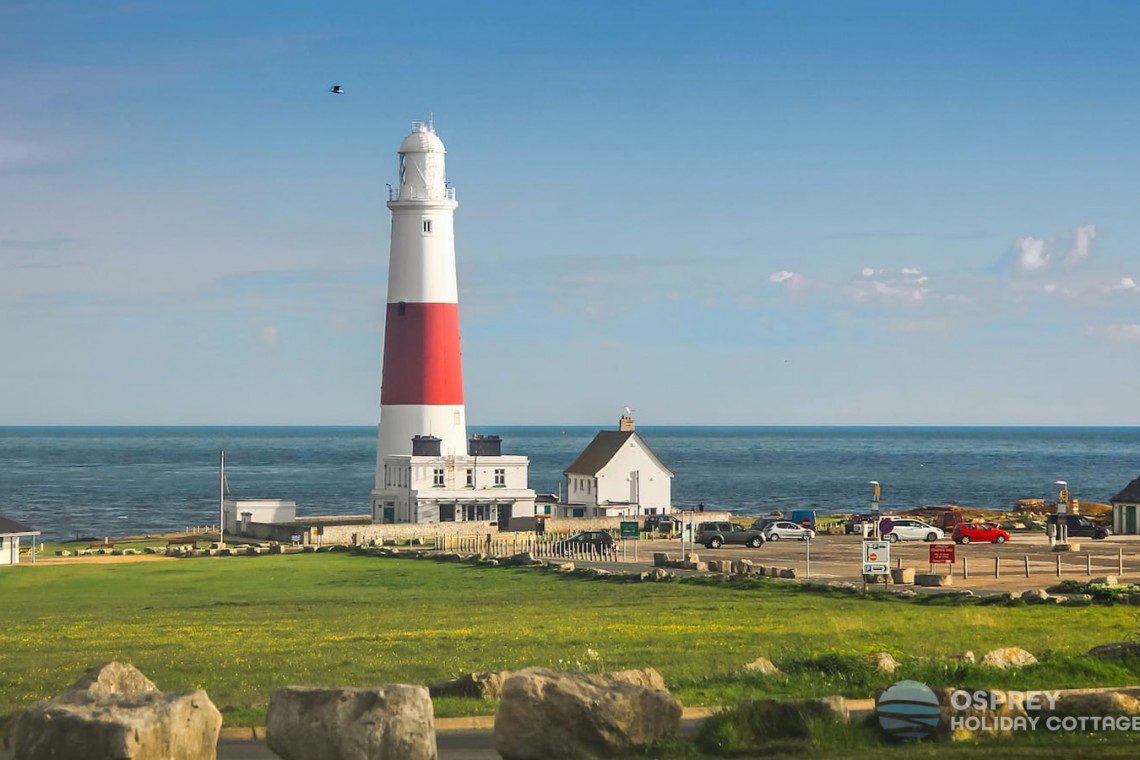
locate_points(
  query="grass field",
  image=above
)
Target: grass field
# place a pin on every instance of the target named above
(240, 627)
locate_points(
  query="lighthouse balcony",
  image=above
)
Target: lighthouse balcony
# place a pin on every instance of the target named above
(412, 194)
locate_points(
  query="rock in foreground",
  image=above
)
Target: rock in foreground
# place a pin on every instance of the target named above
(110, 678)
(148, 725)
(546, 715)
(390, 722)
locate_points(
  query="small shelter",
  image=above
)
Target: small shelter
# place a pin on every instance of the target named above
(1126, 509)
(10, 534)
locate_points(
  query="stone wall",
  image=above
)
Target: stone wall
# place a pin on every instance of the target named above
(367, 532)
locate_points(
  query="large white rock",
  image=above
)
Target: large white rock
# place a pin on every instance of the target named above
(1008, 657)
(110, 678)
(546, 715)
(147, 725)
(390, 722)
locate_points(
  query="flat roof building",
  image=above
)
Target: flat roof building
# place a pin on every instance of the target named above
(11, 532)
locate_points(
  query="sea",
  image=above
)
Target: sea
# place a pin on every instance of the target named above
(108, 481)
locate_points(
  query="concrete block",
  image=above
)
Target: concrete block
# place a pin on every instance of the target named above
(660, 559)
(902, 574)
(932, 579)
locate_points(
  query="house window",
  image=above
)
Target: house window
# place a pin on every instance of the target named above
(427, 226)
(437, 477)
(470, 478)
(500, 478)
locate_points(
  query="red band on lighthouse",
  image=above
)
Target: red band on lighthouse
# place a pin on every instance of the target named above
(422, 363)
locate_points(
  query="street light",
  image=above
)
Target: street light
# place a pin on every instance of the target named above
(875, 507)
(1063, 504)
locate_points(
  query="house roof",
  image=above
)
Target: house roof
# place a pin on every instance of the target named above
(12, 528)
(606, 444)
(1130, 494)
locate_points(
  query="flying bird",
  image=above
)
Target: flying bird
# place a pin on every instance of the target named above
(336, 90)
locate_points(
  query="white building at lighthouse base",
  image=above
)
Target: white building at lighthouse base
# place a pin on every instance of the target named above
(426, 487)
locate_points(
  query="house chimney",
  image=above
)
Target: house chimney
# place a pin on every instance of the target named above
(625, 424)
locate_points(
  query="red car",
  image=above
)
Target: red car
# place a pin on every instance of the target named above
(966, 532)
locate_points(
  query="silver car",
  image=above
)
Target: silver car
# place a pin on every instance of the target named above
(783, 530)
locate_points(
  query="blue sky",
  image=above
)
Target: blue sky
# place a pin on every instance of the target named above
(724, 213)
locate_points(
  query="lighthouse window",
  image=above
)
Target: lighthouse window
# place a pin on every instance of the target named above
(427, 226)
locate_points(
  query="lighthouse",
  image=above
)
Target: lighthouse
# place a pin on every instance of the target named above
(427, 469)
(421, 393)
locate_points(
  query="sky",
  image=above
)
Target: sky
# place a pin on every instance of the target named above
(714, 213)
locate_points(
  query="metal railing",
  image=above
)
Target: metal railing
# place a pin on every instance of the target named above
(394, 194)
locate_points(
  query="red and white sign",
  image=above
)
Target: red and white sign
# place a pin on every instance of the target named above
(942, 554)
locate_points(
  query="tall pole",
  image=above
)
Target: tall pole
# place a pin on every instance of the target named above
(222, 501)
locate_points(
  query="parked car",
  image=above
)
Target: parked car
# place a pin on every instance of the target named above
(761, 523)
(783, 529)
(662, 524)
(598, 540)
(714, 535)
(1080, 526)
(910, 529)
(966, 532)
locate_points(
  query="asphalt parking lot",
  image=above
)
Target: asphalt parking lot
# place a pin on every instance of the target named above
(839, 557)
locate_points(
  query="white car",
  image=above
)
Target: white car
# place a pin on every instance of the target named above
(782, 529)
(909, 529)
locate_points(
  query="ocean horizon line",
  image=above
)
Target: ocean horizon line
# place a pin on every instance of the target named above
(583, 426)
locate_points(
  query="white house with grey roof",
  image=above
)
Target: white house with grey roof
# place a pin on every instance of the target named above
(617, 475)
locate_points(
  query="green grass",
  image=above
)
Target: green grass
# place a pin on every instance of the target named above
(241, 627)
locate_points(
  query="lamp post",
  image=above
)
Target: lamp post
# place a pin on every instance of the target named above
(875, 494)
(1062, 529)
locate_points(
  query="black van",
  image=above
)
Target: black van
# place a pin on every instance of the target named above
(1080, 526)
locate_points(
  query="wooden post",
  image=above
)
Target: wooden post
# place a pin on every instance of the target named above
(1120, 560)
(997, 571)
(1088, 564)
(965, 568)
(1026, 565)
(1058, 565)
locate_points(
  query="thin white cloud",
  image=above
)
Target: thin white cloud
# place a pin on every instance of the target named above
(1083, 237)
(907, 285)
(1126, 283)
(791, 278)
(1032, 254)
(1124, 332)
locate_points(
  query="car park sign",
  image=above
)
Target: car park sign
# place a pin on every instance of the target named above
(876, 558)
(629, 529)
(942, 554)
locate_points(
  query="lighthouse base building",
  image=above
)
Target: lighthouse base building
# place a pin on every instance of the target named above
(429, 487)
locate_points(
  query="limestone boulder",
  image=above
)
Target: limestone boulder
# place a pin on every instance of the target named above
(390, 722)
(149, 725)
(1036, 595)
(546, 715)
(1118, 704)
(1008, 657)
(1116, 651)
(648, 678)
(762, 666)
(932, 579)
(967, 658)
(108, 679)
(993, 721)
(481, 685)
(883, 662)
(657, 574)
(660, 559)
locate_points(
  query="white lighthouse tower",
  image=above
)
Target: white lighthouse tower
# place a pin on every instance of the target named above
(422, 388)
(427, 470)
